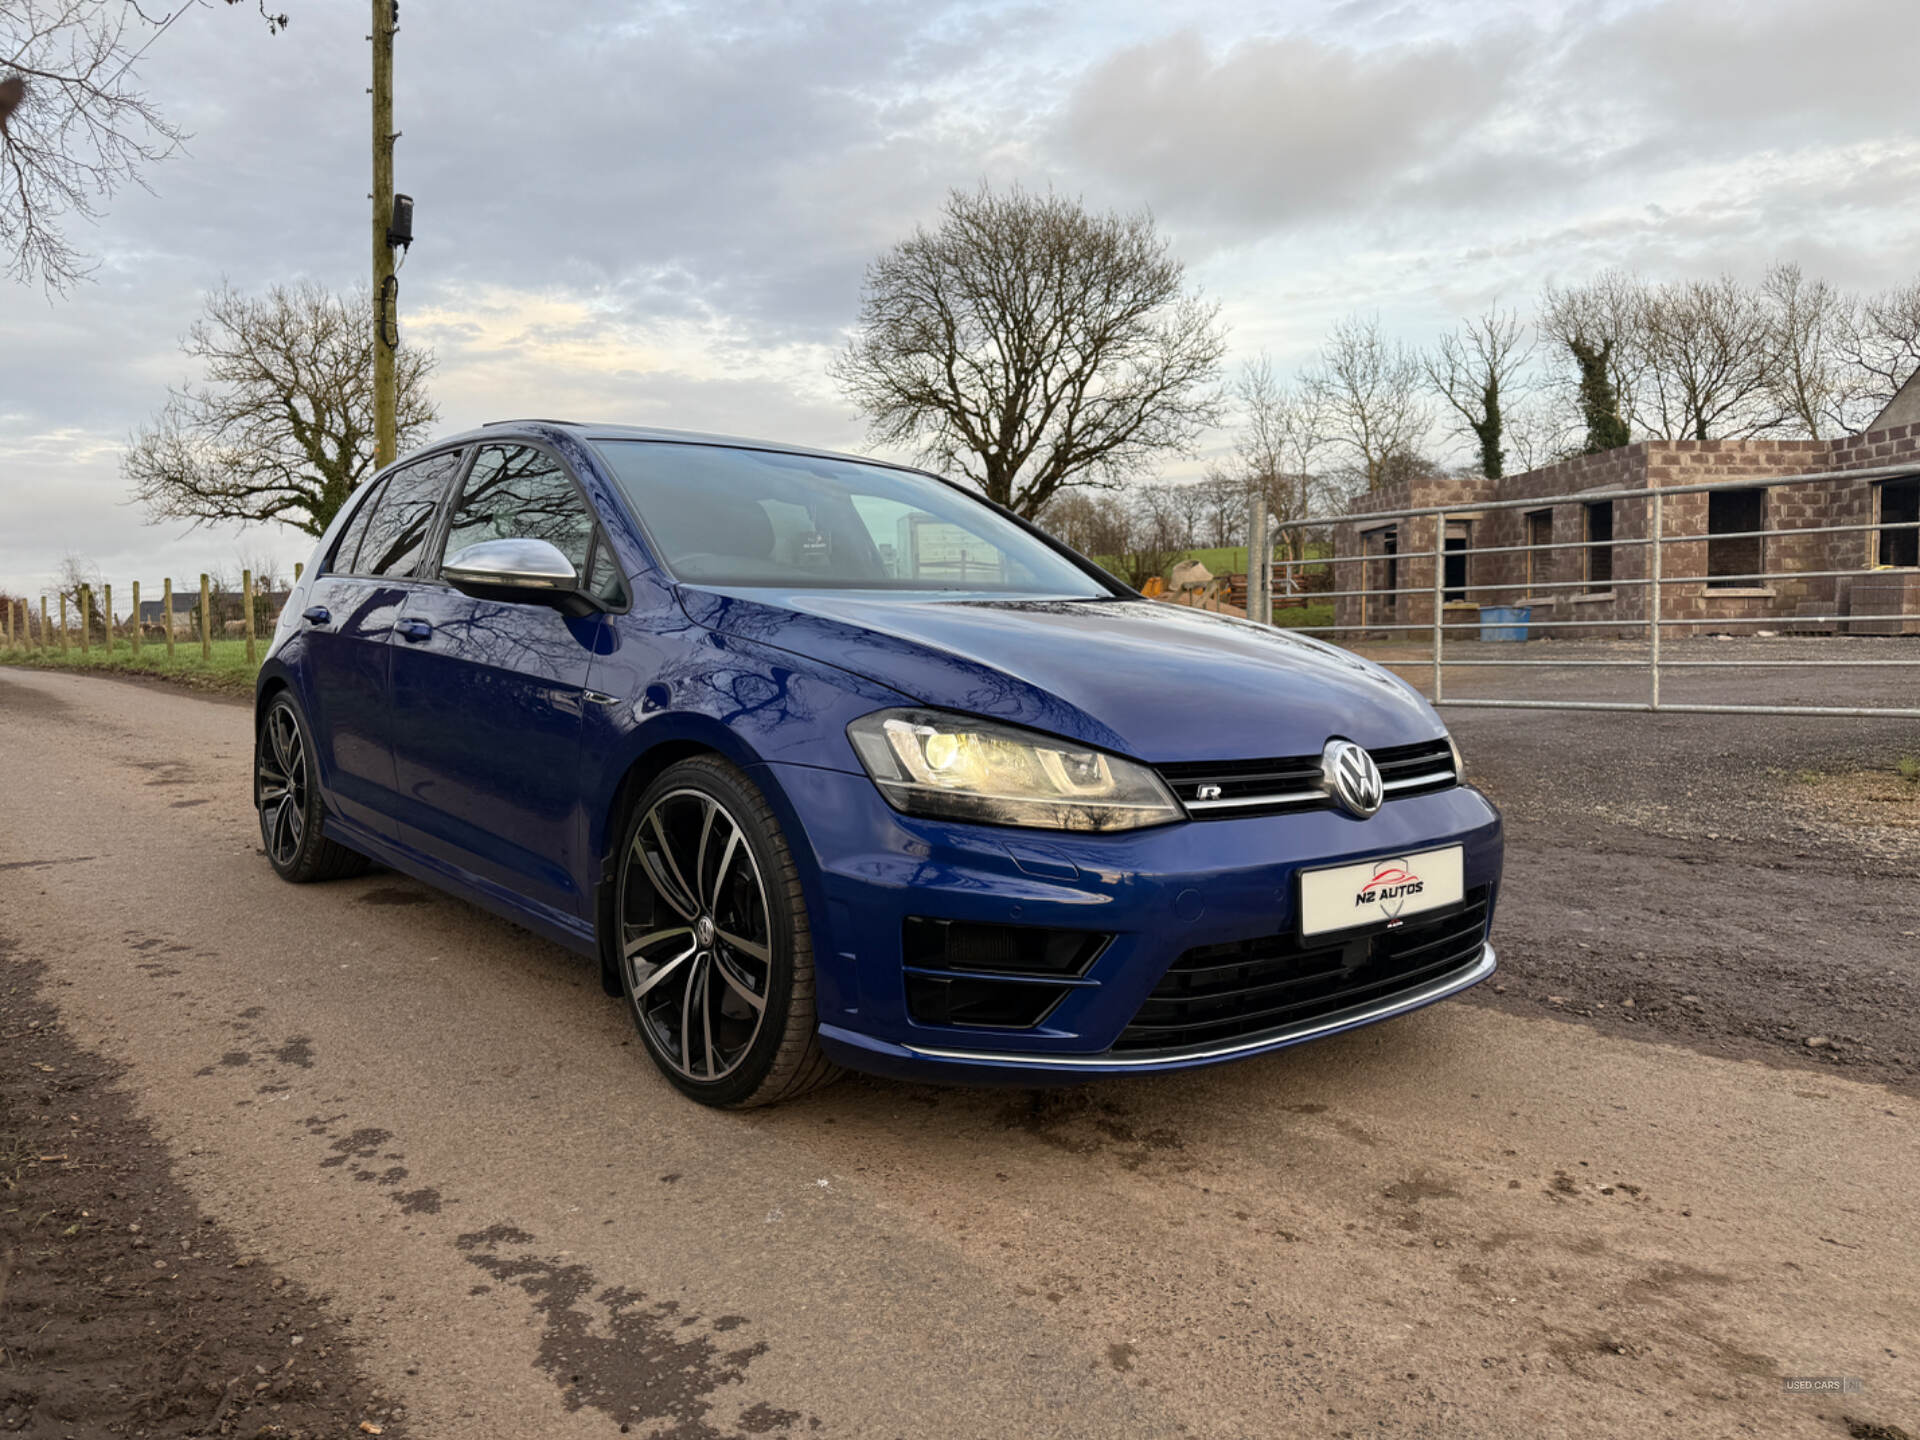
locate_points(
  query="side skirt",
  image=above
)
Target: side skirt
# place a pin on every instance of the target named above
(550, 924)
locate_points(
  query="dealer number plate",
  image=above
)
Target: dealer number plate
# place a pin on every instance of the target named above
(1379, 891)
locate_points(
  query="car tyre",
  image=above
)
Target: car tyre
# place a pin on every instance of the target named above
(286, 796)
(710, 936)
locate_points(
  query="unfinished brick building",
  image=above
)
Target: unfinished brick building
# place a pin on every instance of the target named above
(1591, 583)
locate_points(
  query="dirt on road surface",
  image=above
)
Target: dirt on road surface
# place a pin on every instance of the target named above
(1472, 1221)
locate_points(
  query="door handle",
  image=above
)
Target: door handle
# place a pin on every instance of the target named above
(317, 615)
(415, 630)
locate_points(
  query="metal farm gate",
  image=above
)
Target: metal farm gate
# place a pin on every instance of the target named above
(1649, 566)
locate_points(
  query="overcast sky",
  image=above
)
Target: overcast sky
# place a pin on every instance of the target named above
(659, 212)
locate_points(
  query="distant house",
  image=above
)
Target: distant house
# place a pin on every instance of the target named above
(226, 606)
(1582, 565)
(181, 621)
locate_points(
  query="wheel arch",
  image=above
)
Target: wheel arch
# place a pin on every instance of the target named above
(666, 740)
(669, 748)
(271, 683)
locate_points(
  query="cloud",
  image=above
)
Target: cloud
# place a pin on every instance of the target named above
(1276, 130)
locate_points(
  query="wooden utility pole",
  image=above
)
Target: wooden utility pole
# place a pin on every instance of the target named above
(107, 591)
(386, 298)
(46, 636)
(136, 619)
(63, 622)
(166, 615)
(86, 614)
(206, 619)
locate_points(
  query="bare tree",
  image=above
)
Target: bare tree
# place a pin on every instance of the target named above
(1277, 449)
(1154, 534)
(1709, 362)
(1192, 509)
(74, 126)
(79, 581)
(1808, 322)
(281, 428)
(1880, 346)
(1033, 346)
(1477, 373)
(1367, 390)
(1224, 521)
(1598, 326)
(1540, 431)
(1081, 520)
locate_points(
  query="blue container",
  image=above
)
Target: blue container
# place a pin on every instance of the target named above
(1504, 622)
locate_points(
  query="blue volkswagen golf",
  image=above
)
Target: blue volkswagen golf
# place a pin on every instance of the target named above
(833, 763)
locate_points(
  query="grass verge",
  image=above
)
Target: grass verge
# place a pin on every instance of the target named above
(1297, 617)
(228, 672)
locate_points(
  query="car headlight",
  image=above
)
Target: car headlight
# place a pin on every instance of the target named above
(958, 768)
(1459, 765)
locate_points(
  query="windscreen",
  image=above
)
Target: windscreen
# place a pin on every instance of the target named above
(726, 516)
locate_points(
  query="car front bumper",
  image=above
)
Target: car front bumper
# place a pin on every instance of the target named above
(1157, 893)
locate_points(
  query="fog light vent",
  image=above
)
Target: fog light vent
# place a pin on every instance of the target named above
(998, 949)
(984, 1004)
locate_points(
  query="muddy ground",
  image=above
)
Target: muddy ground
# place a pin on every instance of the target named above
(124, 1310)
(1738, 884)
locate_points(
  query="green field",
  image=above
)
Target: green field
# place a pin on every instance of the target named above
(227, 673)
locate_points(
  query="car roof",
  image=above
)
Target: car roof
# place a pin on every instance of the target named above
(590, 431)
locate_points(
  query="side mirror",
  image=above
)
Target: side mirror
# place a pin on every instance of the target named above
(520, 571)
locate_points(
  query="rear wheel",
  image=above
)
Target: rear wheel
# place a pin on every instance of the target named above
(715, 954)
(291, 813)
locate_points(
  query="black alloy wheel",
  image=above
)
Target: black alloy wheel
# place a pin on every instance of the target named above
(292, 818)
(715, 953)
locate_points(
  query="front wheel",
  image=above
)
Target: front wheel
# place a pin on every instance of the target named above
(715, 953)
(288, 801)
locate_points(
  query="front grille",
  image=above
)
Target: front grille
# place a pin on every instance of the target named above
(1292, 783)
(1242, 990)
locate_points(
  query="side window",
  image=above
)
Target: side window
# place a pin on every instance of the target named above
(403, 516)
(350, 538)
(516, 491)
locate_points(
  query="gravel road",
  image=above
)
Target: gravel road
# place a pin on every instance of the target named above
(1483, 1220)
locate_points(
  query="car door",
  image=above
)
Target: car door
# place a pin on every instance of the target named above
(348, 622)
(487, 694)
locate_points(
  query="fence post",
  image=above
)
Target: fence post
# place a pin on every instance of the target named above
(1655, 529)
(46, 630)
(86, 610)
(63, 622)
(106, 608)
(1259, 584)
(206, 619)
(166, 615)
(9, 625)
(136, 619)
(246, 610)
(1439, 601)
